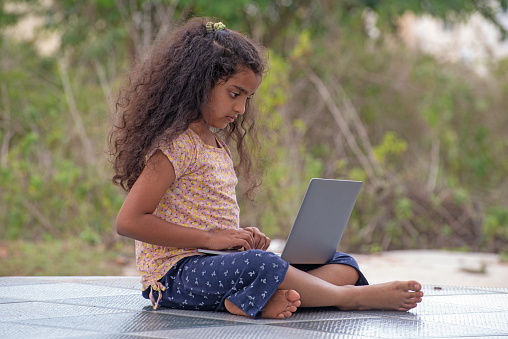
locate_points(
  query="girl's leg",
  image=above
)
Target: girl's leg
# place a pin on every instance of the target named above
(246, 283)
(316, 292)
(342, 269)
(336, 274)
(324, 286)
(255, 276)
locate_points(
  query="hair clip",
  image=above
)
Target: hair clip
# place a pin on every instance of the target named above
(219, 26)
(209, 27)
(214, 27)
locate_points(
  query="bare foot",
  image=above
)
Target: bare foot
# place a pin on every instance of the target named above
(395, 295)
(281, 305)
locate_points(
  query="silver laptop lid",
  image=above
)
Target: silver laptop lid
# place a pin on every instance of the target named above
(321, 221)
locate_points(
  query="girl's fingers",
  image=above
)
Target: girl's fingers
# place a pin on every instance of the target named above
(261, 241)
(254, 235)
(267, 243)
(248, 238)
(244, 245)
(231, 238)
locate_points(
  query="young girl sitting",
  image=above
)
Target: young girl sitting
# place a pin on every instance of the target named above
(184, 102)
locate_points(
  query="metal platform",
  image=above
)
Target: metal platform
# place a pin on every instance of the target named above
(112, 307)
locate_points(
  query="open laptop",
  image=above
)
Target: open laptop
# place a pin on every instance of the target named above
(320, 222)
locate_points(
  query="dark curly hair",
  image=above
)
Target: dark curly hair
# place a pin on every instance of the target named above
(168, 86)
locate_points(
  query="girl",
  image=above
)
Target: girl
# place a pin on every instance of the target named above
(184, 102)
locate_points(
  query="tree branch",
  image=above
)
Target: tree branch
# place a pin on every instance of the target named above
(344, 128)
(76, 117)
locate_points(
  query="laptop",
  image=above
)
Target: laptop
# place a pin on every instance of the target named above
(320, 222)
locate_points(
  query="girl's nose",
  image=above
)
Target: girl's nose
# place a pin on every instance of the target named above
(240, 108)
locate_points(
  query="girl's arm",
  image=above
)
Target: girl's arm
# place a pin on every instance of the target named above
(135, 219)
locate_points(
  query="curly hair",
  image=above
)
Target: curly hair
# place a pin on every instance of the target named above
(168, 86)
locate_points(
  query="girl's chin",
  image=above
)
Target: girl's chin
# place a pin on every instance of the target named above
(221, 125)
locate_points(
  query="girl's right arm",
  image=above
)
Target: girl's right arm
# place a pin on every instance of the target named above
(135, 219)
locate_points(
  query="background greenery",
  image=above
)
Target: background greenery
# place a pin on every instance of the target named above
(427, 138)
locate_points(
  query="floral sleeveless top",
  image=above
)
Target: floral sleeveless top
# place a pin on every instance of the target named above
(202, 196)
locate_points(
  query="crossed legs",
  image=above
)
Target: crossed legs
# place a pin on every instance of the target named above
(331, 285)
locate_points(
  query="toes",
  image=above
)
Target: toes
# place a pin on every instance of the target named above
(415, 294)
(410, 304)
(410, 285)
(282, 304)
(287, 314)
(414, 286)
(292, 295)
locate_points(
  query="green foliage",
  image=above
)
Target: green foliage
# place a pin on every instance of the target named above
(286, 166)
(494, 227)
(47, 186)
(435, 133)
(433, 157)
(390, 146)
(62, 258)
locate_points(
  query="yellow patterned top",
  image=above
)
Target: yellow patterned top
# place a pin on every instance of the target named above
(202, 196)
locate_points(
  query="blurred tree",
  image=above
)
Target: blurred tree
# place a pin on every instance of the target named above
(429, 141)
(453, 10)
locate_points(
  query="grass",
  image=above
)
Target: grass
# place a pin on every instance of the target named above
(70, 257)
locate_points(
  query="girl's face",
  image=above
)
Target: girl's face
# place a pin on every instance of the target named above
(227, 99)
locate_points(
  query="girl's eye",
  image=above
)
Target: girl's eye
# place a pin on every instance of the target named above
(234, 94)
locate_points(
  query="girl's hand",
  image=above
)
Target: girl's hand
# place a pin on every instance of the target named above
(230, 238)
(261, 241)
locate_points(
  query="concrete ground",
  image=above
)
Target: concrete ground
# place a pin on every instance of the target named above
(436, 268)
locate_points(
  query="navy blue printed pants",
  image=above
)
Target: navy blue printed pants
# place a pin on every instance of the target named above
(248, 279)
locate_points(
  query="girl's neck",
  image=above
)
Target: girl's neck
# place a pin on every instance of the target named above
(205, 134)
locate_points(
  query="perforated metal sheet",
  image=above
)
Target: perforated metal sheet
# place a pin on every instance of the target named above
(391, 328)
(247, 332)
(10, 300)
(126, 322)
(133, 302)
(112, 307)
(498, 301)
(439, 290)
(497, 321)
(119, 282)
(59, 291)
(16, 331)
(40, 310)
(18, 281)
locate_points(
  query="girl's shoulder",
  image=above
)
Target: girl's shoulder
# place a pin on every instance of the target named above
(188, 138)
(181, 150)
(183, 144)
(190, 142)
(184, 140)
